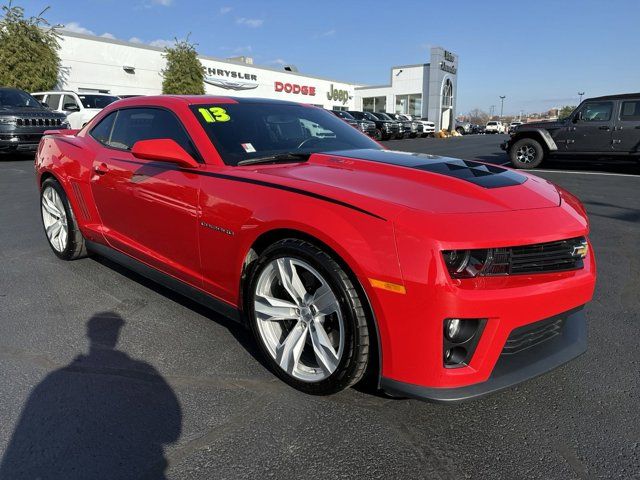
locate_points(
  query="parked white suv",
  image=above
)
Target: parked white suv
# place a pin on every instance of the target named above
(79, 107)
(428, 127)
(494, 127)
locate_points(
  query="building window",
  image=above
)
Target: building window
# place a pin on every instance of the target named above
(415, 104)
(447, 94)
(402, 102)
(339, 108)
(374, 104)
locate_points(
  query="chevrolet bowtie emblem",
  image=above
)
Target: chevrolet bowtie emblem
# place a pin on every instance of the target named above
(580, 251)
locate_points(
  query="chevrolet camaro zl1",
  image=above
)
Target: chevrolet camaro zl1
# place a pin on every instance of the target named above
(440, 278)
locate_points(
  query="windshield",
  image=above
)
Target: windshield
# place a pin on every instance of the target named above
(244, 131)
(370, 116)
(343, 114)
(96, 101)
(492, 123)
(382, 116)
(10, 97)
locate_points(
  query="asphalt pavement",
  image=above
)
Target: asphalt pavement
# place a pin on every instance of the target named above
(108, 375)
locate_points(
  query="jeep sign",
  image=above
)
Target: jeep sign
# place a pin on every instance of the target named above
(338, 95)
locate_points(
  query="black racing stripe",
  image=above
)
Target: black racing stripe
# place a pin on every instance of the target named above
(481, 174)
(262, 183)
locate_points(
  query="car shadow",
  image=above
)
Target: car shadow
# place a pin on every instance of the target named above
(103, 416)
(240, 332)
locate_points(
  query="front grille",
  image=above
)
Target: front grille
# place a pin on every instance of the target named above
(39, 122)
(22, 137)
(558, 256)
(533, 334)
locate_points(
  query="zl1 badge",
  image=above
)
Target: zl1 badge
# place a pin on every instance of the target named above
(214, 114)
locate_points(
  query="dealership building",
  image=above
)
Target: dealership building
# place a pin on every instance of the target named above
(99, 64)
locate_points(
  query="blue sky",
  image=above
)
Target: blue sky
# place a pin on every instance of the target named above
(538, 53)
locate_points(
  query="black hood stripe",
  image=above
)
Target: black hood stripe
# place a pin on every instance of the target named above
(481, 174)
(233, 178)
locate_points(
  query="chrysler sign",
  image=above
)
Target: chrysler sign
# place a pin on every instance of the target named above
(230, 79)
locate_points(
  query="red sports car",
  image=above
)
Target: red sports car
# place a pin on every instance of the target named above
(445, 279)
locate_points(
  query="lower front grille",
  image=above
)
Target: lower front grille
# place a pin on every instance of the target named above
(533, 334)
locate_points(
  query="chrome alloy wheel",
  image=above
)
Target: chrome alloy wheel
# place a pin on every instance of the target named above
(526, 154)
(299, 319)
(54, 219)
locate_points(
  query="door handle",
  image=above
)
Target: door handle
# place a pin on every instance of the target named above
(101, 168)
(604, 127)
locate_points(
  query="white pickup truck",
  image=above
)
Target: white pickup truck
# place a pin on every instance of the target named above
(78, 107)
(494, 127)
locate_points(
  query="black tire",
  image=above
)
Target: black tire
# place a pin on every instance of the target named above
(378, 135)
(526, 153)
(352, 365)
(75, 247)
(460, 130)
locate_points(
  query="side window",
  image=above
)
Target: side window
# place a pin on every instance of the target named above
(53, 101)
(102, 131)
(135, 124)
(597, 112)
(39, 97)
(69, 103)
(630, 111)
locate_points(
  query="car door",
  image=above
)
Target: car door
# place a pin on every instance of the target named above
(591, 128)
(148, 209)
(626, 134)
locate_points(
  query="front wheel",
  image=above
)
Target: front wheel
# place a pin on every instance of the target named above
(308, 318)
(526, 153)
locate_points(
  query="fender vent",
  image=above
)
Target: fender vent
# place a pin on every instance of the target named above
(80, 200)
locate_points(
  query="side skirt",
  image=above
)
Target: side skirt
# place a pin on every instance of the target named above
(168, 281)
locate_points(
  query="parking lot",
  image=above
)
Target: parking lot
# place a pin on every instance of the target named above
(173, 385)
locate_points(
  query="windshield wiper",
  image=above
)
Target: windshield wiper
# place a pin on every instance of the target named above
(278, 158)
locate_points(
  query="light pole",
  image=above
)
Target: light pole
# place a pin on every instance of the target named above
(492, 109)
(580, 94)
(502, 97)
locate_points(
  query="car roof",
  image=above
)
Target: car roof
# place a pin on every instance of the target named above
(198, 100)
(65, 92)
(615, 97)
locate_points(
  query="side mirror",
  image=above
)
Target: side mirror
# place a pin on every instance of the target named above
(163, 150)
(71, 107)
(45, 105)
(577, 117)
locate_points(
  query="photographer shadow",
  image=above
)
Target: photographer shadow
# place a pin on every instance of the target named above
(105, 415)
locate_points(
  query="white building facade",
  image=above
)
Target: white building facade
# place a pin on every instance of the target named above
(97, 64)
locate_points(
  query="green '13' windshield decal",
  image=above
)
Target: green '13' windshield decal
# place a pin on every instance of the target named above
(214, 114)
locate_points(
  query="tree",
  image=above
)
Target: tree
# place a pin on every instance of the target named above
(566, 111)
(184, 74)
(478, 117)
(28, 51)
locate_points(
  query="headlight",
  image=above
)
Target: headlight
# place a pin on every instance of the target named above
(8, 121)
(65, 124)
(471, 263)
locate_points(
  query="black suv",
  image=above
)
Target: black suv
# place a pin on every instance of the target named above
(365, 126)
(409, 127)
(385, 129)
(601, 126)
(23, 121)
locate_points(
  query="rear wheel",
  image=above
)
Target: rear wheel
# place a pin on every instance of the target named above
(526, 153)
(59, 222)
(378, 135)
(460, 130)
(307, 318)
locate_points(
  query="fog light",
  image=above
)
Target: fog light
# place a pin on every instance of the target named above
(452, 328)
(460, 338)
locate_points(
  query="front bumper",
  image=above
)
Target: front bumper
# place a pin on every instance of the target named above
(511, 368)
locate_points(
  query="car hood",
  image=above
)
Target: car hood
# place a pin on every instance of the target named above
(549, 124)
(21, 111)
(371, 179)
